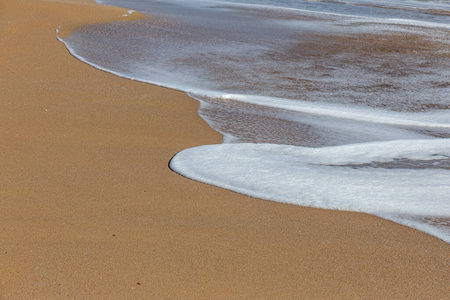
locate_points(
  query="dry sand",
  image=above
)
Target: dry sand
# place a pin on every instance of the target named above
(90, 210)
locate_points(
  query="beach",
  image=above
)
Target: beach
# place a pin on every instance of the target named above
(90, 208)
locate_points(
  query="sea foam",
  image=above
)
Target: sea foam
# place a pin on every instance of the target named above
(394, 178)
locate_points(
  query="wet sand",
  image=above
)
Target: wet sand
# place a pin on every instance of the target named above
(89, 208)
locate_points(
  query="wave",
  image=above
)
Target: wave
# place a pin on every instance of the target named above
(266, 91)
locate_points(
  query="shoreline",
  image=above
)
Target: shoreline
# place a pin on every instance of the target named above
(91, 209)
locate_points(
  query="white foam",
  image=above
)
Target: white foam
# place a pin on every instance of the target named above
(431, 119)
(329, 177)
(129, 12)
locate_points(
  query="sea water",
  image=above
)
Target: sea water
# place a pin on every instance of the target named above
(333, 104)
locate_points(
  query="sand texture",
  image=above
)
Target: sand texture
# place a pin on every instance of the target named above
(90, 210)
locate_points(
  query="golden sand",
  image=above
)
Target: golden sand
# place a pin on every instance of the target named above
(90, 210)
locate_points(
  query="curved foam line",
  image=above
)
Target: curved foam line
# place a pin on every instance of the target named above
(321, 109)
(378, 20)
(343, 112)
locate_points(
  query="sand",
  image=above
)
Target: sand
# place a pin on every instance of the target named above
(90, 210)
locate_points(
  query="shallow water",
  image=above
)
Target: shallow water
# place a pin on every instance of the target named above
(362, 86)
